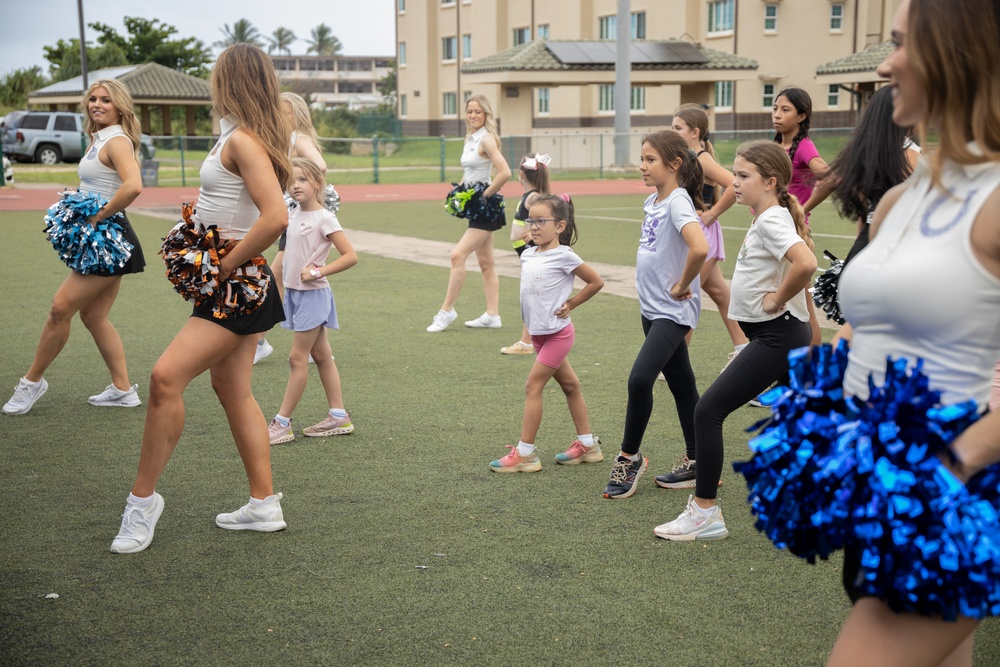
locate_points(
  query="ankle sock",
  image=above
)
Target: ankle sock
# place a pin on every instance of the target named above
(739, 348)
(525, 448)
(631, 457)
(139, 502)
(587, 439)
(338, 413)
(284, 421)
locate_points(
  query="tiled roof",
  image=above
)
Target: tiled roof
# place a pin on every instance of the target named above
(534, 56)
(862, 61)
(149, 81)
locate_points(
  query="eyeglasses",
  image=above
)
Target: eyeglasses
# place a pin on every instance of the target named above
(538, 222)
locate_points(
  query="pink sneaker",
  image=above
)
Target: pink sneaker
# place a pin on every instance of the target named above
(580, 453)
(514, 462)
(330, 426)
(279, 433)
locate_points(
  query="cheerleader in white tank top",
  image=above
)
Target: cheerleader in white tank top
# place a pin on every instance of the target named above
(109, 168)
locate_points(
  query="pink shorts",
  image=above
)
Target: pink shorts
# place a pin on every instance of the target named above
(713, 234)
(551, 349)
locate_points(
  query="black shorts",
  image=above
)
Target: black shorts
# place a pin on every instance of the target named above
(136, 262)
(487, 224)
(281, 241)
(263, 319)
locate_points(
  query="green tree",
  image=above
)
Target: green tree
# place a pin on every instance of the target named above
(150, 41)
(323, 41)
(15, 86)
(387, 88)
(280, 40)
(242, 32)
(64, 58)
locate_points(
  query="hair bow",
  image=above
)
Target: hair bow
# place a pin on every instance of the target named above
(531, 163)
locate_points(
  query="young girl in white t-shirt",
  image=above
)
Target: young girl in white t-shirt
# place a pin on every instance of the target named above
(547, 273)
(309, 306)
(773, 268)
(672, 251)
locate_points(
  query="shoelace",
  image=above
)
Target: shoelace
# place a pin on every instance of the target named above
(128, 524)
(619, 471)
(685, 465)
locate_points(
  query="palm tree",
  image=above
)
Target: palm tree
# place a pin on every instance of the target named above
(323, 42)
(242, 32)
(280, 40)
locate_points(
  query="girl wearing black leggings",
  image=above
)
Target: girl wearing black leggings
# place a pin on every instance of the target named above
(773, 268)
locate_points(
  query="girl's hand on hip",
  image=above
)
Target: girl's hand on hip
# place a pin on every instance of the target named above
(563, 311)
(681, 293)
(771, 305)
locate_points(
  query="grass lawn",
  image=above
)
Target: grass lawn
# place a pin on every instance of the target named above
(402, 548)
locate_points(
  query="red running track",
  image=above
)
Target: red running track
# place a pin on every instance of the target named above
(38, 197)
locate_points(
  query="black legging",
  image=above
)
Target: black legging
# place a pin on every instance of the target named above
(663, 350)
(763, 361)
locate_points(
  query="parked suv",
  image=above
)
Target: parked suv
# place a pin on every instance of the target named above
(51, 136)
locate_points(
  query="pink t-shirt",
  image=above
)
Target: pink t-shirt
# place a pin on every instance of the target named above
(306, 244)
(803, 180)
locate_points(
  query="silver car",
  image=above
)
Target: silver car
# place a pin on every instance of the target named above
(49, 137)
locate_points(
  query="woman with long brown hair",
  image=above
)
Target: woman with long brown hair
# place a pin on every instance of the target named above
(242, 181)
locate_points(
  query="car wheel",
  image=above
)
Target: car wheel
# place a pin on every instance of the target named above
(48, 154)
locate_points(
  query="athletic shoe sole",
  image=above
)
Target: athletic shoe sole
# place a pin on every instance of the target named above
(521, 467)
(341, 430)
(259, 526)
(714, 532)
(591, 457)
(115, 404)
(283, 439)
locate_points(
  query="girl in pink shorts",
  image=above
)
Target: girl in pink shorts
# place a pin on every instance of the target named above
(547, 273)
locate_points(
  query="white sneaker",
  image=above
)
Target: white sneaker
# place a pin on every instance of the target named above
(25, 395)
(485, 321)
(442, 320)
(694, 524)
(115, 397)
(520, 347)
(263, 351)
(137, 527)
(266, 517)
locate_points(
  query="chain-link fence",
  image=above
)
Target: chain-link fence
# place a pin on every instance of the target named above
(436, 159)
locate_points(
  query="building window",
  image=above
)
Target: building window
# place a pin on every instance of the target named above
(606, 97)
(522, 36)
(543, 101)
(447, 2)
(607, 26)
(543, 31)
(402, 105)
(467, 46)
(836, 17)
(402, 54)
(833, 95)
(402, 5)
(638, 25)
(770, 18)
(720, 15)
(767, 100)
(637, 99)
(449, 104)
(724, 94)
(466, 94)
(448, 48)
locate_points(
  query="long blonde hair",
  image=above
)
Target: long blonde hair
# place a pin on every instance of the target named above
(301, 118)
(245, 86)
(122, 99)
(491, 123)
(955, 54)
(772, 161)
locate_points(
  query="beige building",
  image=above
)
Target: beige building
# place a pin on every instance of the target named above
(545, 66)
(330, 81)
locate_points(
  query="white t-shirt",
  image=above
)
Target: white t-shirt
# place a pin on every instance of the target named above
(306, 244)
(761, 267)
(546, 283)
(659, 262)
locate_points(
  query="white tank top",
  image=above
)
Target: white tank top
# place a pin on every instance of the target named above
(223, 200)
(477, 168)
(95, 177)
(918, 290)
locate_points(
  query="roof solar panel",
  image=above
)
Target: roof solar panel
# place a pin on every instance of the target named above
(603, 53)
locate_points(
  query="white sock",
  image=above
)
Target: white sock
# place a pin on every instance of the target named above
(525, 448)
(284, 421)
(631, 457)
(711, 511)
(338, 413)
(255, 502)
(139, 502)
(30, 383)
(587, 440)
(739, 348)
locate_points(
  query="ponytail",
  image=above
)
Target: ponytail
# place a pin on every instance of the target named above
(791, 202)
(562, 208)
(691, 177)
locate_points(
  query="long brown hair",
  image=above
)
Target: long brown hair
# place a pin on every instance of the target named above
(694, 116)
(772, 161)
(561, 207)
(955, 52)
(245, 86)
(671, 146)
(122, 99)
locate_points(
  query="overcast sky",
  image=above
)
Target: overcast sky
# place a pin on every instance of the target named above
(364, 27)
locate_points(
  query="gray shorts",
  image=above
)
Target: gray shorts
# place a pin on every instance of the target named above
(307, 309)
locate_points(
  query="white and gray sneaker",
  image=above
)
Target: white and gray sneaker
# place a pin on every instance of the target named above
(694, 523)
(261, 515)
(442, 320)
(485, 321)
(138, 524)
(263, 351)
(114, 397)
(25, 395)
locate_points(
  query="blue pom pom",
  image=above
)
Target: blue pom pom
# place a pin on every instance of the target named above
(84, 247)
(466, 201)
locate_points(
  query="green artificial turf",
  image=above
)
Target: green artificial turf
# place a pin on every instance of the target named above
(402, 547)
